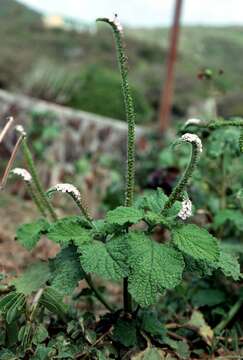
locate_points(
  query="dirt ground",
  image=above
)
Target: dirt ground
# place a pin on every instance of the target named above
(15, 211)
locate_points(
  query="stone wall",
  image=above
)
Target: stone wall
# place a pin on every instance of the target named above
(80, 132)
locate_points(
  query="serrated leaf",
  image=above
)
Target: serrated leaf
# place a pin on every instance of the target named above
(229, 265)
(153, 201)
(68, 229)
(154, 267)
(154, 219)
(125, 332)
(66, 270)
(124, 215)
(29, 234)
(105, 259)
(196, 242)
(32, 279)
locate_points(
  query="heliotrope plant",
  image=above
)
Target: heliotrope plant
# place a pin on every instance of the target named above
(121, 246)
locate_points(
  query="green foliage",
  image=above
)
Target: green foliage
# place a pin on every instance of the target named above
(98, 90)
(208, 297)
(105, 259)
(154, 268)
(124, 215)
(196, 242)
(52, 300)
(66, 271)
(125, 332)
(29, 234)
(227, 215)
(229, 265)
(32, 279)
(68, 229)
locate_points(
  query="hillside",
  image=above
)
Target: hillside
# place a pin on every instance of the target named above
(76, 68)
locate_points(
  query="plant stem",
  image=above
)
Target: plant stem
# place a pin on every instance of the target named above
(36, 199)
(180, 187)
(43, 196)
(129, 108)
(127, 299)
(130, 115)
(96, 292)
(11, 161)
(232, 312)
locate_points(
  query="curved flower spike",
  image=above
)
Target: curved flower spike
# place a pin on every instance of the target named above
(66, 188)
(193, 122)
(193, 138)
(23, 173)
(116, 22)
(196, 144)
(74, 193)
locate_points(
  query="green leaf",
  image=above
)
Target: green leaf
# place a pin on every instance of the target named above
(32, 279)
(108, 260)
(229, 265)
(151, 324)
(208, 297)
(29, 234)
(233, 216)
(196, 242)
(66, 270)
(154, 201)
(68, 229)
(154, 267)
(157, 219)
(125, 332)
(124, 215)
(40, 334)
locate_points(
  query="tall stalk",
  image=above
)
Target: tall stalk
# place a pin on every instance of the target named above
(130, 115)
(32, 169)
(178, 190)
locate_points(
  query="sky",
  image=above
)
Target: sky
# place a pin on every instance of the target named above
(146, 12)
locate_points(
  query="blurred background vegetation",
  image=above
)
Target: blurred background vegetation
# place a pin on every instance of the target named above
(78, 68)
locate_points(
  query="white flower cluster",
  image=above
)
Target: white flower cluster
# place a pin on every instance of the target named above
(117, 23)
(193, 138)
(186, 209)
(24, 174)
(68, 188)
(20, 130)
(193, 122)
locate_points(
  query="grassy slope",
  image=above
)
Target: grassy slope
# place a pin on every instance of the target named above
(24, 42)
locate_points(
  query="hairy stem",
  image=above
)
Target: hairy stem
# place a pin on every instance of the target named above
(36, 199)
(129, 108)
(32, 169)
(180, 187)
(96, 292)
(130, 115)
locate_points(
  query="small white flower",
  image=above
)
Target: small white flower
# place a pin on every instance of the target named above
(193, 122)
(68, 188)
(116, 22)
(20, 130)
(23, 173)
(193, 138)
(186, 209)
